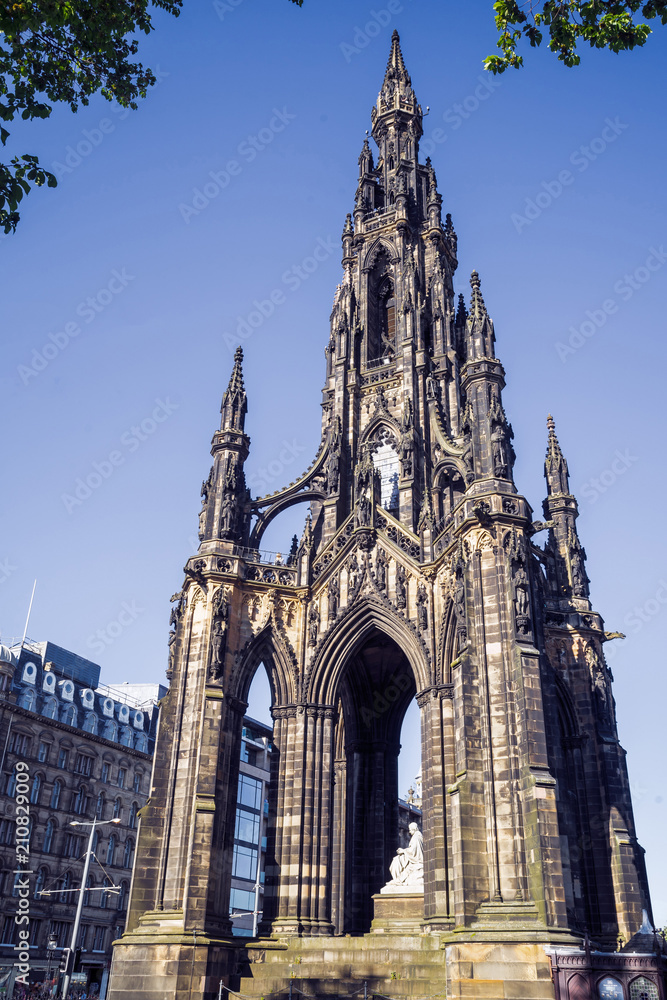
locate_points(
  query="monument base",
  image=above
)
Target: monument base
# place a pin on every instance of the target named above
(399, 912)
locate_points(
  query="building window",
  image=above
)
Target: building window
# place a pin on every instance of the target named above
(99, 938)
(80, 804)
(18, 744)
(83, 936)
(35, 927)
(122, 896)
(56, 793)
(127, 853)
(18, 877)
(242, 899)
(7, 831)
(105, 773)
(117, 808)
(63, 757)
(117, 931)
(9, 782)
(90, 723)
(96, 840)
(48, 836)
(249, 754)
(122, 775)
(141, 743)
(83, 765)
(136, 784)
(70, 715)
(245, 862)
(247, 826)
(99, 806)
(27, 699)
(110, 730)
(132, 818)
(643, 989)
(40, 882)
(34, 791)
(250, 792)
(73, 846)
(89, 886)
(50, 708)
(43, 753)
(64, 884)
(111, 849)
(9, 931)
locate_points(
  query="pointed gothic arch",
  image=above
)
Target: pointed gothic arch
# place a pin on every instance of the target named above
(349, 633)
(266, 648)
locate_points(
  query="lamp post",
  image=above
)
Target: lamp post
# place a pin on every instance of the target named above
(79, 907)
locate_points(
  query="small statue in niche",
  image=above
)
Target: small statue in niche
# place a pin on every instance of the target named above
(218, 635)
(364, 512)
(313, 625)
(499, 452)
(352, 575)
(401, 586)
(381, 570)
(466, 458)
(333, 596)
(227, 515)
(422, 609)
(521, 602)
(407, 867)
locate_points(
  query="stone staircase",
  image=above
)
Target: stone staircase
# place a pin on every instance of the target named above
(386, 965)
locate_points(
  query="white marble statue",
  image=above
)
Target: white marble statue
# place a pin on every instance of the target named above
(407, 868)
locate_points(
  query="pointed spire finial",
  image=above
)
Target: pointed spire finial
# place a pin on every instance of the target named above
(234, 400)
(555, 466)
(477, 306)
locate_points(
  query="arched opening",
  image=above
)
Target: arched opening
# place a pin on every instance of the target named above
(246, 901)
(376, 687)
(381, 344)
(385, 460)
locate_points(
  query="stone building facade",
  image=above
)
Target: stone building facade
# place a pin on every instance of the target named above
(422, 574)
(88, 753)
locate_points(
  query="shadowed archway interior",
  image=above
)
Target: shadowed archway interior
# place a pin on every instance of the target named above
(375, 690)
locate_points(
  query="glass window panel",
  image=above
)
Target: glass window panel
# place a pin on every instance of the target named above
(247, 826)
(250, 791)
(245, 862)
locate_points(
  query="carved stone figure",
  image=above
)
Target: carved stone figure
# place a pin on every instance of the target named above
(401, 586)
(352, 575)
(407, 867)
(422, 608)
(521, 602)
(499, 452)
(466, 458)
(381, 570)
(227, 516)
(313, 624)
(333, 596)
(364, 512)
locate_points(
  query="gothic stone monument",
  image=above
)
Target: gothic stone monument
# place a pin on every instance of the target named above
(420, 574)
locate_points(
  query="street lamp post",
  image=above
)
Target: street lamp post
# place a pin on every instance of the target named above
(79, 907)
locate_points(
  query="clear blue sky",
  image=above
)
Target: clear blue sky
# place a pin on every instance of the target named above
(169, 288)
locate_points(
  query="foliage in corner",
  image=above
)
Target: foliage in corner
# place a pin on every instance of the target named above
(62, 51)
(604, 24)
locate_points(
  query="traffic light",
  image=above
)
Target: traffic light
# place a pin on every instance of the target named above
(64, 960)
(76, 967)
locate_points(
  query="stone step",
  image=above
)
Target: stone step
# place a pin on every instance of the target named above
(378, 988)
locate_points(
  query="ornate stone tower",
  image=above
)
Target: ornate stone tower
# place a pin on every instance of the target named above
(418, 575)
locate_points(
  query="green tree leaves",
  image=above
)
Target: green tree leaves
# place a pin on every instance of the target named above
(603, 24)
(63, 51)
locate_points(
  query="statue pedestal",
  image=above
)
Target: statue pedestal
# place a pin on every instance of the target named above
(399, 912)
